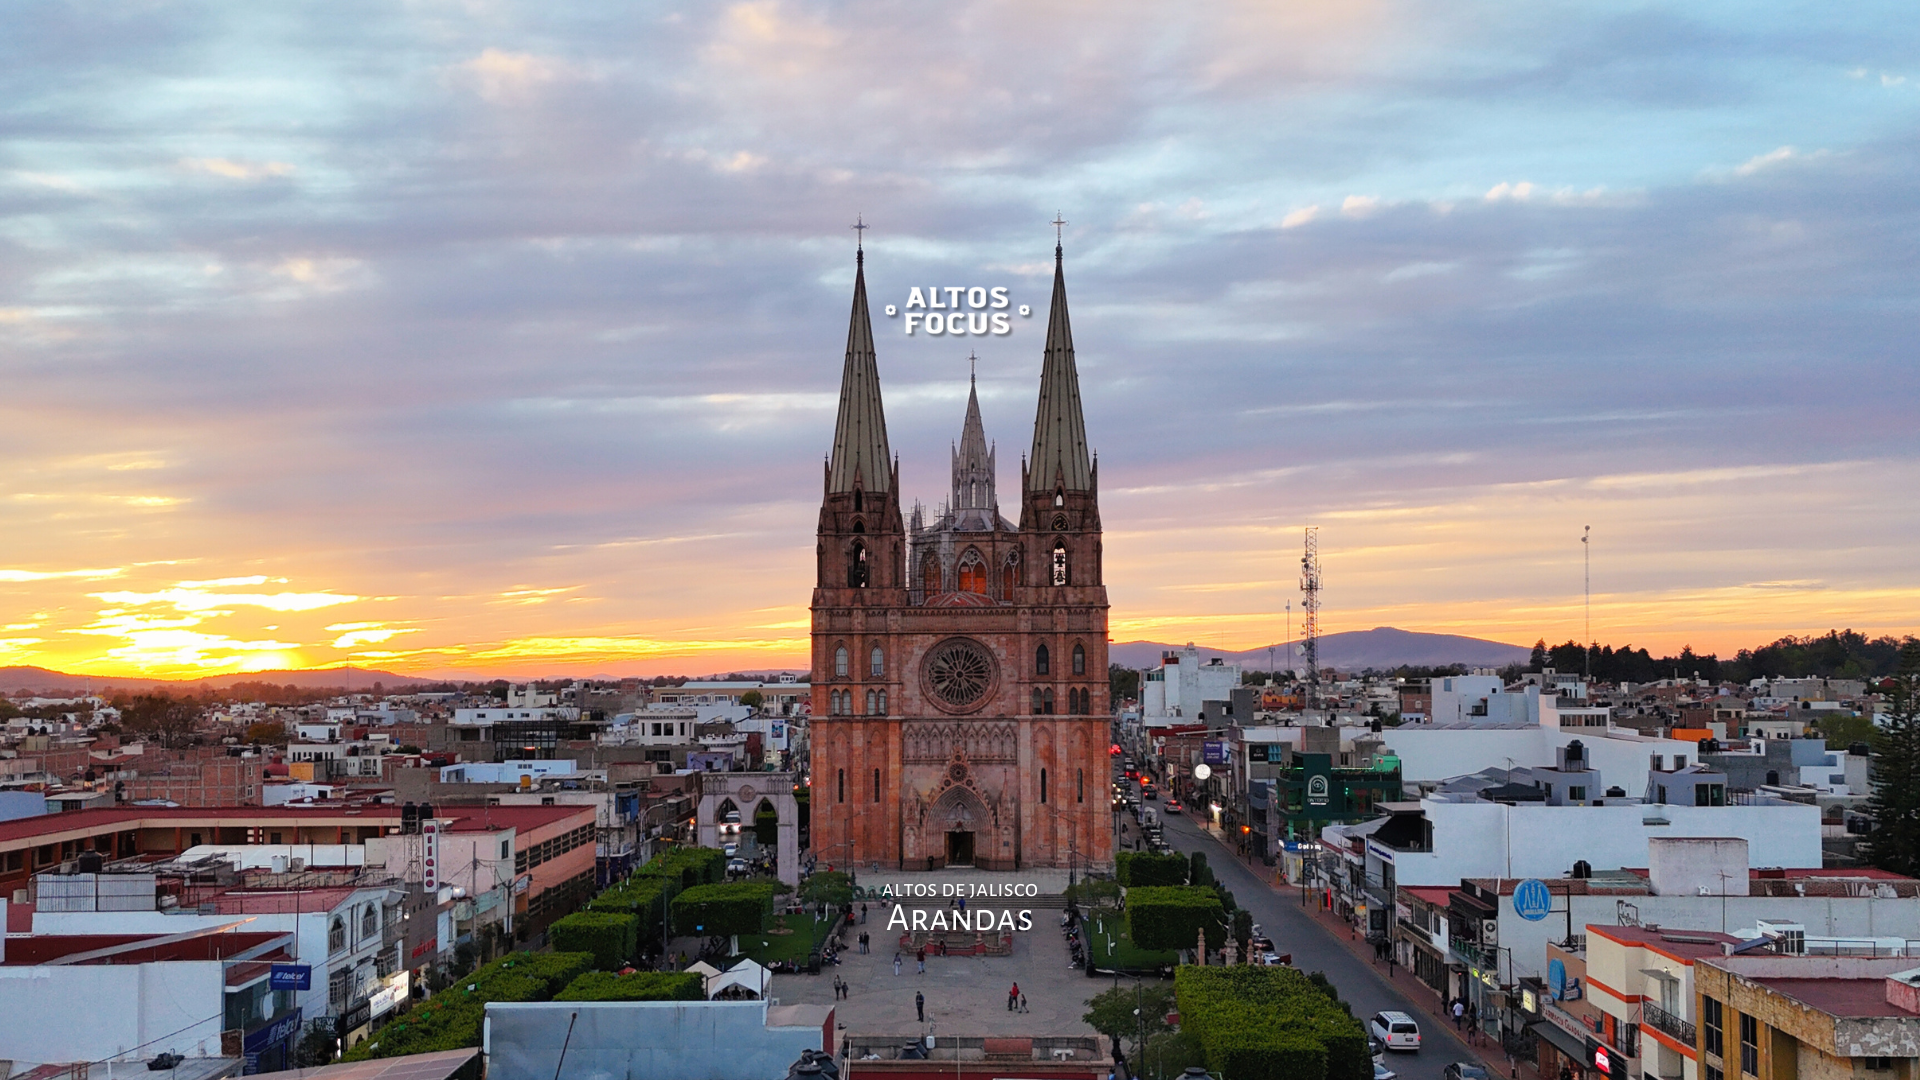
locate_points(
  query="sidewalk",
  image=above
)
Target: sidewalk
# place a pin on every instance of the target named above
(1402, 979)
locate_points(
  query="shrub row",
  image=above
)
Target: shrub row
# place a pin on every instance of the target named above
(1172, 916)
(691, 866)
(639, 986)
(1270, 1023)
(611, 938)
(1146, 868)
(452, 1019)
(740, 907)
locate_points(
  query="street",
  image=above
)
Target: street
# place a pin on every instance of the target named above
(1294, 931)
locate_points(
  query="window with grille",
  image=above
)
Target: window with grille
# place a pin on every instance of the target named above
(1711, 1025)
(840, 662)
(1079, 660)
(1749, 1045)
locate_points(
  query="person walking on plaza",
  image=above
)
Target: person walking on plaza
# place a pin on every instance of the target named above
(1023, 1003)
(920, 1006)
(1459, 1014)
(896, 963)
(1473, 1023)
(1013, 997)
(922, 957)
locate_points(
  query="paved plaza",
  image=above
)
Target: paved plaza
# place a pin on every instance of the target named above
(966, 995)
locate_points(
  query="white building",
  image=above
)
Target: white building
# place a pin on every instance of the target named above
(1175, 691)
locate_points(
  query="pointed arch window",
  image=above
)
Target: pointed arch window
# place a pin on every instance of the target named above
(1009, 575)
(840, 662)
(1079, 659)
(1043, 785)
(871, 702)
(973, 572)
(876, 785)
(1079, 785)
(1060, 562)
(1042, 661)
(876, 663)
(843, 785)
(858, 572)
(1046, 702)
(883, 704)
(1036, 701)
(930, 574)
(1059, 496)
(859, 504)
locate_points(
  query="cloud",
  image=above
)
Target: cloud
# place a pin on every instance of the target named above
(1517, 192)
(1760, 161)
(500, 76)
(185, 597)
(237, 170)
(1359, 206)
(1297, 218)
(54, 575)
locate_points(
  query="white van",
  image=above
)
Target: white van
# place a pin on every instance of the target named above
(1395, 1030)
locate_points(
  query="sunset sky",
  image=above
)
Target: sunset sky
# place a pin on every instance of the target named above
(489, 338)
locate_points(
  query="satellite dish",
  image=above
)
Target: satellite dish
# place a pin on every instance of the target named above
(1202, 771)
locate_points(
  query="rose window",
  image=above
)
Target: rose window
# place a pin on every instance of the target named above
(959, 672)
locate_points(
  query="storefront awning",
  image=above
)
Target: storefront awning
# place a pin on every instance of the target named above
(1562, 1040)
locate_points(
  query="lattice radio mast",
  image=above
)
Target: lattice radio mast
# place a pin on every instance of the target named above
(1310, 606)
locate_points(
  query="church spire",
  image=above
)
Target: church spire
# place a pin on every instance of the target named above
(973, 461)
(860, 452)
(1059, 430)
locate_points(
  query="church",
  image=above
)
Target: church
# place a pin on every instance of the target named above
(960, 704)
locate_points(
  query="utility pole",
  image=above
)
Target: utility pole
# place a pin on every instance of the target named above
(1586, 555)
(1310, 604)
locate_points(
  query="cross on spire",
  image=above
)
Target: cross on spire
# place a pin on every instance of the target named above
(859, 228)
(973, 365)
(1059, 223)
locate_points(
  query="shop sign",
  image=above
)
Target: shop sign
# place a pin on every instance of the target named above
(290, 977)
(1532, 901)
(264, 1038)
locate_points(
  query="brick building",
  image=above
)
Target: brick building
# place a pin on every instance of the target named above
(960, 712)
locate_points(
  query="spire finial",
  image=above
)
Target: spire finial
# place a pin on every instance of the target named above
(859, 228)
(973, 366)
(1059, 224)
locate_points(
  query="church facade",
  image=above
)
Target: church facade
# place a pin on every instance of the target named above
(959, 694)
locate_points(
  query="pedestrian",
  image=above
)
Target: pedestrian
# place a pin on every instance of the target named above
(863, 914)
(920, 1006)
(1013, 997)
(896, 963)
(1023, 1003)
(1459, 1014)
(1473, 1022)
(922, 957)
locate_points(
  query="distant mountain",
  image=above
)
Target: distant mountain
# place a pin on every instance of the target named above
(1351, 650)
(43, 680)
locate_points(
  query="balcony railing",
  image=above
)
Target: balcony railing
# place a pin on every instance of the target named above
(1666, 1023)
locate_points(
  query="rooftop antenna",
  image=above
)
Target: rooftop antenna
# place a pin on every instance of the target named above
(1586, 555)
(1310, 604)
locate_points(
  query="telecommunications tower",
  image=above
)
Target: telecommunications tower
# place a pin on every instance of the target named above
(1310, 605)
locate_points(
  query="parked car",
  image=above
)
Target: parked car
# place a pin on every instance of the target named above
(1463, 1070)
(1172, 805)
(1381, 1072)
(1397, 1031)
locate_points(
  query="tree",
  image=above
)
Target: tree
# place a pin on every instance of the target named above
(752, 699)
(266, 731)
(1895, 802)
(1113, 1013)
(1538, 660)
(168, 721)
(1123, 683)
(832, 887)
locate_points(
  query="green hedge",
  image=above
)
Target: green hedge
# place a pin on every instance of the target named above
(611, 938)
(642, 897)
(1270, 1023)
(451, 1019)
(690, 866)
(723, 910)
(1133, 868)
(1172, 916)
(639, 986)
